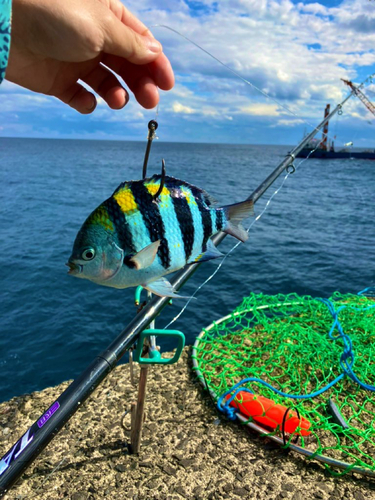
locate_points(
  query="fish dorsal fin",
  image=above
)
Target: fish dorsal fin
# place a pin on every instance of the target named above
(173, 182)
(144, 258)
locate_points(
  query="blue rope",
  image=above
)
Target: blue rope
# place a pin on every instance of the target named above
(368, 292)
(346, 362)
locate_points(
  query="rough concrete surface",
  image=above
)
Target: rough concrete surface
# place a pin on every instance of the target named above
(187, 450)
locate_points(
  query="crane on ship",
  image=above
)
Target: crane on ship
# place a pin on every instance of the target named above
(325, 149)
(358, 92)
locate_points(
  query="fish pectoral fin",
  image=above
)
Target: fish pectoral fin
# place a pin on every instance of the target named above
(144, 258)
(163, 288)
(211, 253)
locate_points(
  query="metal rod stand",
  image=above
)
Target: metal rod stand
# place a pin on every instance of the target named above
(138, 408)
(138, 413)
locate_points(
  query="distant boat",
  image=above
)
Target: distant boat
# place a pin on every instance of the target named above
(315, 151)
(325, 150)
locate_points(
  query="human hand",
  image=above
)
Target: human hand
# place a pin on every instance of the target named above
(56, 43)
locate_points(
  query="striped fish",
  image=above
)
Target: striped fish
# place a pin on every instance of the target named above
(136, 239)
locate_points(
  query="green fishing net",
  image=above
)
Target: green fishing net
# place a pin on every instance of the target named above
(284, 341)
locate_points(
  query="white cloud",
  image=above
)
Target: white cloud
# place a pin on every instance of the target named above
(261, 109)
(288, 122)
(296, 53)
(180, 108)
(314, 8)
(12, 102)
(182, 91)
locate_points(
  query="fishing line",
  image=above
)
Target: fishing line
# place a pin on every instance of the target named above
(156, 116)
(239, 242)
(247, 82)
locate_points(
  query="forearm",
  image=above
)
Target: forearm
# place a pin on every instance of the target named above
(5, 11)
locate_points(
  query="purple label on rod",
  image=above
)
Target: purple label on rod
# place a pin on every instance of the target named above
(48, 414)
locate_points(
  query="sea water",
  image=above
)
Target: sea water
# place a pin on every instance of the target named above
(316, 236)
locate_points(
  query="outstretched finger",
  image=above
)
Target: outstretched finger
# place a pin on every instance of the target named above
(146, 92)
(79, 99)
(105, 84)
(139, 81)
(159, 70)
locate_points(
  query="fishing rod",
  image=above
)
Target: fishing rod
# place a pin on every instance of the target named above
(37, 437)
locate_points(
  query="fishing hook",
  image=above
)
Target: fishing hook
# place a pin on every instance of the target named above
(162, 181)
(152, 126)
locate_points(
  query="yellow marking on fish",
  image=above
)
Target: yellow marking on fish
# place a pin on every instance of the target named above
(100, 216)
(126, 200)
(153, 188)
(188, 195)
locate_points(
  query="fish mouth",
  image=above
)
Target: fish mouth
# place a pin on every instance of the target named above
(74, 269)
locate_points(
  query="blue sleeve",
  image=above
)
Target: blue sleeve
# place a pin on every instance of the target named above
(5, 10)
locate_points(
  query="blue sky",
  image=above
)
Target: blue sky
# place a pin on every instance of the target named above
(294, 51)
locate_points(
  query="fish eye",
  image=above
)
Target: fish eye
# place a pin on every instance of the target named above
(88, 254)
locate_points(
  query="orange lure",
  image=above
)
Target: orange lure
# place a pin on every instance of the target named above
(269, 414)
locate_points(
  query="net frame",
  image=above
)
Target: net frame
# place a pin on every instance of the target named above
(328, 461)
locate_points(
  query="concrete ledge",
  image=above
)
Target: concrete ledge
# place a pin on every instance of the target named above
(187, 453)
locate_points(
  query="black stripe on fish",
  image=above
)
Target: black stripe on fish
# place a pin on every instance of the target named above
(184, 217)
(152, 219)
(219, 219)
(207, 224)
(118, 219)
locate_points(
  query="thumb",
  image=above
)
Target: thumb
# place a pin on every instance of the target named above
(122, 41)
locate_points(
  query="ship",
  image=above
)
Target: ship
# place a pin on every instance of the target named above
(314, 149)
(325, 149)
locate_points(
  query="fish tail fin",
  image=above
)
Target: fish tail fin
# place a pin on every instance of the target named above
(235, 214)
